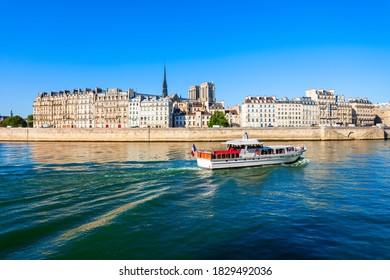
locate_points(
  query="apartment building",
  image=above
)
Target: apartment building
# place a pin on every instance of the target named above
(309, 111)
(344, 111)
(297, 112)
(362, 111)
(64, 109)
(197, 119)
(112, 108)
(258, 111)
(150, 111)
(327, 107)
(288, 113)
(179, 118)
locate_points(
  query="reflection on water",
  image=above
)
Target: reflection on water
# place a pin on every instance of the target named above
(64, 152)
(150, 201)
(58, 153)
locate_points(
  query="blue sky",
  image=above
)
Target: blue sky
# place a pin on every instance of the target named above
(246, 47)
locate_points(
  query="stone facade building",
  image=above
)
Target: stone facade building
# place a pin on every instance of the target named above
(258, 111)
(112, 108)
(288, 113)
(195, 114)
(150, 111)
(233, 116)
(43, 109)
(193, 93)
(309, 111)
(344, 111)
(85, 109)
(327, 107)
(197, 119)
(64, 109)
(196, 106)
(362, 112)
(382, 113)
(296, 112)
(179, 118)
(82, 108)
(205, 93)
(135, 110)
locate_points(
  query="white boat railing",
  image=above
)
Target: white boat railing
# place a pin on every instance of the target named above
(300, 148)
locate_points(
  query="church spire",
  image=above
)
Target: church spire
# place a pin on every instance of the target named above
(165, 86)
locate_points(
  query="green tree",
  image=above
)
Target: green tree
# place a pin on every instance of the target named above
(16, 121)
(30, 120)
(218, 118)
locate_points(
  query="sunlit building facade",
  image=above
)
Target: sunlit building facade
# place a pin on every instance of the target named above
(362, 112)
(297, 112)
(327, 107)
(258, 111)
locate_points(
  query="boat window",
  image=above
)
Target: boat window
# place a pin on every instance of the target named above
(266, 151)
(279, 151)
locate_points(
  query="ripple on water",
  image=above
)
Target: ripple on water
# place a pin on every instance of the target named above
(120, 201)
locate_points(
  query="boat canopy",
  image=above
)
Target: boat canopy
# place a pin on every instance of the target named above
(246, 142)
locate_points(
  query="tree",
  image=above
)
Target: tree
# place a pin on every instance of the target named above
(30, 120)
(16, 121)
(218, 118)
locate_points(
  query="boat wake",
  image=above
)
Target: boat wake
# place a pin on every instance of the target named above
(301, 162)
(50, 247)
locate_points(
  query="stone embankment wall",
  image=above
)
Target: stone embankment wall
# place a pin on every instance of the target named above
(188, 134)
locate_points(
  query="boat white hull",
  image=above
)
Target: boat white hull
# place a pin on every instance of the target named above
(247, 162)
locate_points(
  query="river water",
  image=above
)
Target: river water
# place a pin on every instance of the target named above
(150, 201)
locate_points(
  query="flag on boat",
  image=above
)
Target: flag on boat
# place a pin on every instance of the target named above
(193, 150)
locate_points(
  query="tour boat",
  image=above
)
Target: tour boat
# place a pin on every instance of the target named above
(247, 152)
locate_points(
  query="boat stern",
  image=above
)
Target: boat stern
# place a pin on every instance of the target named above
(204, 163)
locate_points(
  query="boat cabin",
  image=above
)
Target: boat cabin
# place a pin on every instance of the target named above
(248, 152)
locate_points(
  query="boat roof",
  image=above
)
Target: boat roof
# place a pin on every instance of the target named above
(244, 142)
(280, 146)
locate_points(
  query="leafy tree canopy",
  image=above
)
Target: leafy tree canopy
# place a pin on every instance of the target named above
(218, 118)
(30, 120)
(16, 121)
